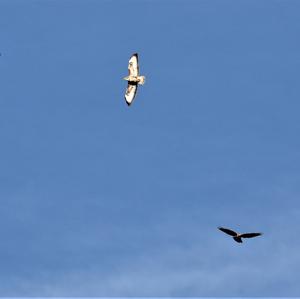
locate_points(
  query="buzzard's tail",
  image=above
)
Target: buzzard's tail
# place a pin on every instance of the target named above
(142, 80)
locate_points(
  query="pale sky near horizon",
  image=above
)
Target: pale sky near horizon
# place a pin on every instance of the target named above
(101, 199)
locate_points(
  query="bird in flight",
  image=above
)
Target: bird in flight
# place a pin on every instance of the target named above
(134, 79)
(236, 236)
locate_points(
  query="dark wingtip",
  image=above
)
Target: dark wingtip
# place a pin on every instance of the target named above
(128, 104)
(135, 54)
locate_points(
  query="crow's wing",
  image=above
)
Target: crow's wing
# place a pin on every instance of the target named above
(228, 231)
(250, 235)
(130, 93)
(133, 65)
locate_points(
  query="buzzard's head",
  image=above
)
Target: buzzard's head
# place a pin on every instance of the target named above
(126, 78)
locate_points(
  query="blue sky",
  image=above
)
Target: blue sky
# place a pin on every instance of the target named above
(101, 199)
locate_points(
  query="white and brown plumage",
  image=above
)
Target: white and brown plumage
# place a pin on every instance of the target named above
(236, 236)
(134, 79)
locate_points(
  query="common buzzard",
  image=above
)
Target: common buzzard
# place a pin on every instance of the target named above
(238, 237)
(134, 79)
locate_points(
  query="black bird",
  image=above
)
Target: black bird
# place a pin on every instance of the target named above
(238, 237)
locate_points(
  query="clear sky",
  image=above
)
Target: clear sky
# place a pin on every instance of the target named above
(101, 199)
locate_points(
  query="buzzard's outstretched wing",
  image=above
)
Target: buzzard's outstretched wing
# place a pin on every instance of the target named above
(250, 235)
(228, 231)
(133, 65)
(130, 93)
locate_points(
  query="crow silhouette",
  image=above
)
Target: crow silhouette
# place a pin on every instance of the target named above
(236, 236)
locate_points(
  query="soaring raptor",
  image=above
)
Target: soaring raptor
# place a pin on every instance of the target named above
(238, 237)
(134, 79)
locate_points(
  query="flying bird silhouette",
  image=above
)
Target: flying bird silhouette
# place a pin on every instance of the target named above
(236, 236)
(134, 79)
